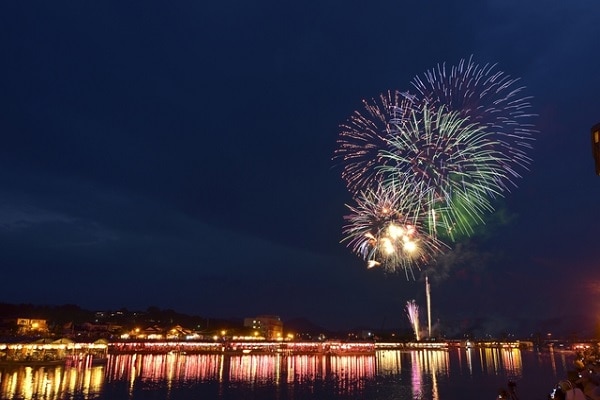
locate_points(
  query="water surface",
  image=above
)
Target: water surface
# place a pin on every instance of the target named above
(452, 374)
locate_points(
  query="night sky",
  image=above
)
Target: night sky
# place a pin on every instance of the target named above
(179, 155)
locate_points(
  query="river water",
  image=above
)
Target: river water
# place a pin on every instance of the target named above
(450, 374)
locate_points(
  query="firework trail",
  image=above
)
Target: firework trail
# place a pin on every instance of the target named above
(440, 157)
(412, 310)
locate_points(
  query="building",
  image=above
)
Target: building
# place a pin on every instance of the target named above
(27, 326)
(596, 146)
(178, 333)
(268, 326)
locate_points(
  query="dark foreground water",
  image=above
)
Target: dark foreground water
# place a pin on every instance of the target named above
(453, 374)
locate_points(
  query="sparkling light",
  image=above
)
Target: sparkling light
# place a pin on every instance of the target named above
(380, 234)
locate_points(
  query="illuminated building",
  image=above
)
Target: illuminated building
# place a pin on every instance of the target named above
(268, 326)
(178, 333)
(29, 325)
(151, 333)
(596, 146)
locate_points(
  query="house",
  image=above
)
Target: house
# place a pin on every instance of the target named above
(28, 326)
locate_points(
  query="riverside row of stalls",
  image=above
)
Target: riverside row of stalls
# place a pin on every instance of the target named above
(47, 350)
(244, 347)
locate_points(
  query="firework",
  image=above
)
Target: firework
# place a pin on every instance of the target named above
(454, 165)
(491, 99)
(365, 135)
(382, 234)
(412, 310)
(437, 159)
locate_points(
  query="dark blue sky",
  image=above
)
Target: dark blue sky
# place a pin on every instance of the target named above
(180, 155)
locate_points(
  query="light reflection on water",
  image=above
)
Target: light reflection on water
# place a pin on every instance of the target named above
(410, 374)
(51, 382)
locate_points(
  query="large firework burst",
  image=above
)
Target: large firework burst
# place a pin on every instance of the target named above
(454, 166)
(489, 98)
(434, 160)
